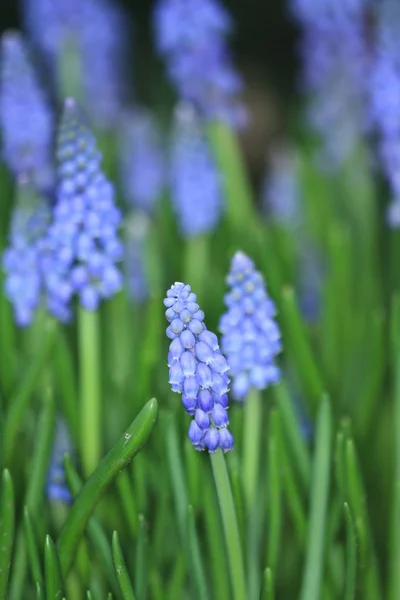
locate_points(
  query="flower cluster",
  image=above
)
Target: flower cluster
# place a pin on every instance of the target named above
(82, 245)
(281, 195)
(57, 489)
(385, 98)
(195, 182)
(334, 73)
(197, 370)
(136, 231)
(25, 116)
(22, 257)
(250, 336)
(97, 30)
(191, 36)
(142, 159)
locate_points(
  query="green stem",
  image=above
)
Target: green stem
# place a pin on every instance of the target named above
(229, 521)
(251, 448)
(312, 576)
(90, 396)
(225, 145)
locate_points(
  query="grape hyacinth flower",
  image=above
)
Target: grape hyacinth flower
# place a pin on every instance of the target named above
(385, 97)
(196, 186)
(192, 37)
(22, 257)
(250, 335)
(281, 194)
(97, 31)
(334, 73)
(197, 370)
(56, 488)
(142, 159)
(136, 230)
(82, 242)
(25, 115)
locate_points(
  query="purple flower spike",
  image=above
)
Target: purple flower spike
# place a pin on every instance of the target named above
(82, 246)
(25, 116)
(194, 368)
(22, 257)
(196, 186)
(191, 36)
(98, 31)
(142, 159)
(250, 336)
(334, 74)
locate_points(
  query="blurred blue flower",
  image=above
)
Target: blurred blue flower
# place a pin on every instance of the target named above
(196, 186)
(192, 37)
(281, 194)
(25, 116)
(98, 31)
(197, 370)
(82, 245)
(385, 98)
(334, 74)
(136, 231)
(56, 488)
(250, 335)
(142, 159)
(22, 257)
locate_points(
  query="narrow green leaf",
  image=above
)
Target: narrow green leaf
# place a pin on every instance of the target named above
(274, 491)
(351, 555)
(52, 571)
(290, 426)
(230, 524)
(293, 497)
(33, 551)
(40, 592)
(7, 524)
(89, 595)
(196, 558)
(128, 502)
(215, 545)
(67, 385)
(298, 346)
(122, 572)
(35, 491)
(96, 534)
(313, 569)
(177, 474)
(118, 457)
(368, 568)
(19, 400)
(267, 590)
(141, 561)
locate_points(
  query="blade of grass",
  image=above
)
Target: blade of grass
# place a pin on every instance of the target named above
(130, 444)
(33, 551)
(195, 552)
(313, 569)
(351, 555)
(52, 571)
(19, 400)
(7, 525)
(274, 489)
(121, 569)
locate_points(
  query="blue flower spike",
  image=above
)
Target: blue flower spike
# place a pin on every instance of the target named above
(198, 370)
(25, 116)
(192, 37)
(83, 247)
(250, 335)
